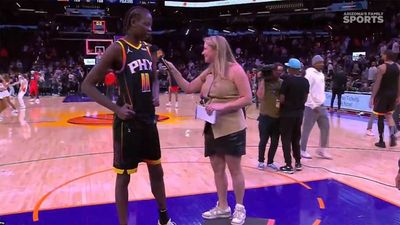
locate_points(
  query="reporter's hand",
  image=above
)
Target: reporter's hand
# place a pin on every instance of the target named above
(219, 107)
(171, 66)
(125, 112)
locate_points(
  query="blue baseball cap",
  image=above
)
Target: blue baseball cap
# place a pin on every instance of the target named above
(294, 64)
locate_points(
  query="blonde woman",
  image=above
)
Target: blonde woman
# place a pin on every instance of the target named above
(225, 86)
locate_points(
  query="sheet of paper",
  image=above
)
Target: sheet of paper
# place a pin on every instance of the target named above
(202, 114)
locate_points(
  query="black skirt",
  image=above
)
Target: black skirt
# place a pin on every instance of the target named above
(232, 144)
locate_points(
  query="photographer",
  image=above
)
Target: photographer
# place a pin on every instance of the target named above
(269, 85)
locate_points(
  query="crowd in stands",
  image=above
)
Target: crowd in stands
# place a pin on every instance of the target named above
(62, 72)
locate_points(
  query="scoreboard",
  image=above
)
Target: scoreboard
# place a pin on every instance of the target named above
(211, 3)
(112, 1)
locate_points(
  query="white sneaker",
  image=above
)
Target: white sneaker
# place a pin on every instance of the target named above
(323, 153)
(169, 223)
(261, 166)
(273, 166)
(168, 104)
(176, 105)
(306, 155)
(217, 212)
(239, 216)
(1, 118)
(14, 112)
(370, 133)
(37, 101)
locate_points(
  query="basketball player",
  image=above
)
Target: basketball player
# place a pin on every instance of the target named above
(135, 132)
(173, 88)
(34, 87)
(3, 104)
(5, 94)
(23, 86)
(385, 94)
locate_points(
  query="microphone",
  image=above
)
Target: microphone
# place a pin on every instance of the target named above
(165, 63)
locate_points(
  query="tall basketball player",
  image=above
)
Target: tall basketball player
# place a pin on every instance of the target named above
(5, 94)
(135, 132)
(23, 86)
(385, 94)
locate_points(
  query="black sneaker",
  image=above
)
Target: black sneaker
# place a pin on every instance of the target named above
(298, 167)
(287, 169)
(380, 144)
(393, 141)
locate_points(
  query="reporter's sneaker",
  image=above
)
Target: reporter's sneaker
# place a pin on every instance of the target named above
(176, 104)
(239, 215)
(273, 167)
(261, 166)
(217, 212)
(306, 155)
(169, 223)
(168, 104)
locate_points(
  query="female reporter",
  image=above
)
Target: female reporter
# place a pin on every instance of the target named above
(225, 86)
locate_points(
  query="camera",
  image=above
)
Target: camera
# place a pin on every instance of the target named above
(266, 71)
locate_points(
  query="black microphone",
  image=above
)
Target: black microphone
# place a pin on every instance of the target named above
(164, 62)
(154, 49)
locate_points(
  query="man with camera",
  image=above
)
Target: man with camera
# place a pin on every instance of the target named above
(269, 85)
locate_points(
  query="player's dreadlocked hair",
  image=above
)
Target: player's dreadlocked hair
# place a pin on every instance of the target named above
(135, 12)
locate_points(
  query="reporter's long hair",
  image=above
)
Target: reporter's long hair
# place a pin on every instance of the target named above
(223, 58)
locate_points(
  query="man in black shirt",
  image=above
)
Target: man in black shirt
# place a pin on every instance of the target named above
(293, 95)
(339, 82)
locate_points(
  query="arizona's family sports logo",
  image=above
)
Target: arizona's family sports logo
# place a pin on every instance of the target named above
(363, 17)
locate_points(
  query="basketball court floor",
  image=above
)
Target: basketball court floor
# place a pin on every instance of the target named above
(56, 158)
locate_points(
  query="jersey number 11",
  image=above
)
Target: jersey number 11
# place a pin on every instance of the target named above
(145, 82)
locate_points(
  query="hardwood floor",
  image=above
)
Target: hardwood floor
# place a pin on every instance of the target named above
(41, 153)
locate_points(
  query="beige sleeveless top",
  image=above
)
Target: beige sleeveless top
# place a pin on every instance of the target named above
(222, 90)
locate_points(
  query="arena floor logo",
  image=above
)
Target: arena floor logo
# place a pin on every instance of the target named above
(363, 17)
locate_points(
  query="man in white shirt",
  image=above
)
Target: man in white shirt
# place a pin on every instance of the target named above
(314, 111)
(395, 47)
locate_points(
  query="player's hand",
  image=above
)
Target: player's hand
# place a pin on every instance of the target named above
(125, 112)
(219, 107)
(156, 102)
(398, 180)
